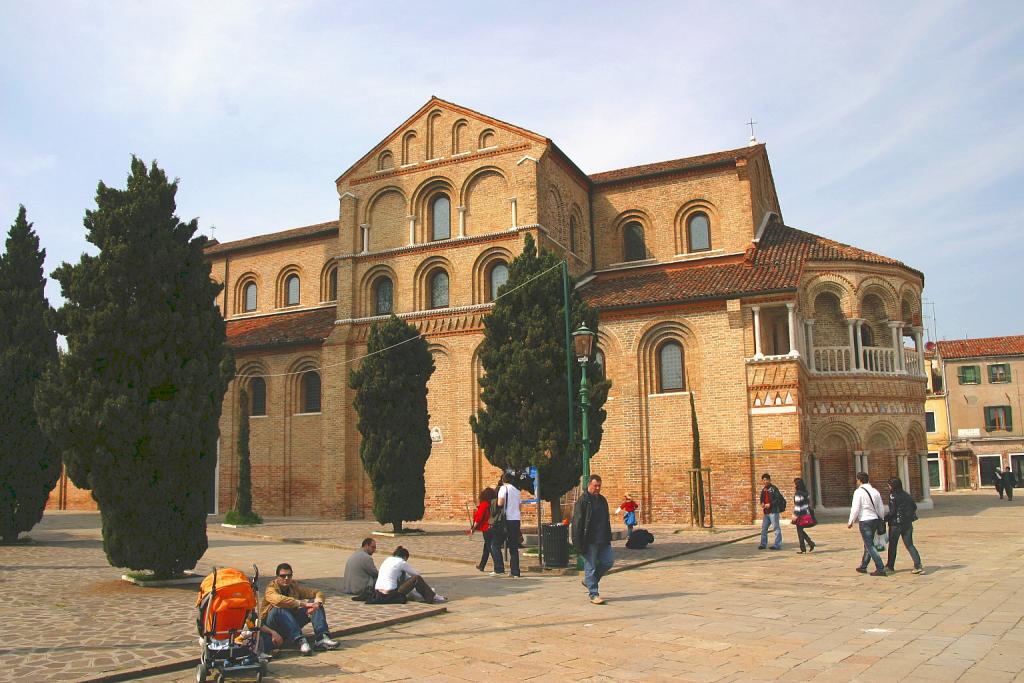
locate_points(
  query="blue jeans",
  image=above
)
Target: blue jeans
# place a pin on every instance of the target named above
(771, 519)
(867, 534)
(597, 560)
(289, 622)
(907, 533)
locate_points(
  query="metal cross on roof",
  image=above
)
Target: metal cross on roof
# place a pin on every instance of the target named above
(751, 123)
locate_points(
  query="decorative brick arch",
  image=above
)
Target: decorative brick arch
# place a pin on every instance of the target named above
(484, 195)
(612, 348)
(421, 281)
(887, 430)
(280, 293)
(365, 292)
(331, 266)
(836, 427)
(482, 270)
(385, 160)
(408, 147)
(835, 284)
(651, 339)
(419, 204)
(239, 294)
(293, 381)
(376, 196)
(683, 214)
(625, 218)
(917, 439)
(460, 130)
(910, 304)
(883, 290)
(433, 151)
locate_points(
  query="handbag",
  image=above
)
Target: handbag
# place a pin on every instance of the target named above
(496, 523)
(806, 521)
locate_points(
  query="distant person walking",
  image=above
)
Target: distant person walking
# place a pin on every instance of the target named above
(901, 517)
(867, 511)
(1009, 482)
(803, 515)
(999, 482)
(592, 537)
(481, 524)
(773, 504)
(509, 500)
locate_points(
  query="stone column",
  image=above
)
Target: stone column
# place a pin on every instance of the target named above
(515, 216)
(895, 328)
(365, 227)
(462, 220)
(809, 343)
(919, 347)
(926, 489)
(412, 230)
(757, 331)
(791, 320)
(851, 323)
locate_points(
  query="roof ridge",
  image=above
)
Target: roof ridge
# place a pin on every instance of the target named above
(719, 156)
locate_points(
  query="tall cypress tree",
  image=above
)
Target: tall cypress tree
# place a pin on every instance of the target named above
(29, 465)
(135, 406)
(243, 514)
(525, 411)
(391, 401)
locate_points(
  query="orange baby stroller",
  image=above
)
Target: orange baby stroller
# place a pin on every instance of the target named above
(229, 626)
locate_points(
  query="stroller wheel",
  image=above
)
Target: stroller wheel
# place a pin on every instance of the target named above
(259, 677)
(201, 672)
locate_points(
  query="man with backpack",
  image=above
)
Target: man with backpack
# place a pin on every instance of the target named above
(773, 504)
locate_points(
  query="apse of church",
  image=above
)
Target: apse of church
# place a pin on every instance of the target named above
(803, 355)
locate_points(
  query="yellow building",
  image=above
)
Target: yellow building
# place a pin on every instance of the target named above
(936, 423)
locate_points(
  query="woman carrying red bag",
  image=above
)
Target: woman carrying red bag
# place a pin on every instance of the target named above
(803, 515)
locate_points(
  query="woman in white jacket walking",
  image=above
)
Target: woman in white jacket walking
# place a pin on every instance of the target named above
(868, 512)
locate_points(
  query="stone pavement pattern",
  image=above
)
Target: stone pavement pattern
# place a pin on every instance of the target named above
(69, 617)
(730, 613)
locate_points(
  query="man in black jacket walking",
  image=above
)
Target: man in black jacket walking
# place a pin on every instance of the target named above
(902, 513)
(772, 504)
(592, 536)
(1009, 482)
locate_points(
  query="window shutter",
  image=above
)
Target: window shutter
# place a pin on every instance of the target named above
(989, 419)
(1009, 418)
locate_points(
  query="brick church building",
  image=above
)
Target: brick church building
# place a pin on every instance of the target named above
(804, 355)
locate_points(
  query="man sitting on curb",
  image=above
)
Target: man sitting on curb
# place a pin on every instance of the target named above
(288, 606)
(360, 571)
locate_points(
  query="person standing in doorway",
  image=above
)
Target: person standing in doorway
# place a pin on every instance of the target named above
(1009, 482)
(592, 537)
(803, 515)
(901, 517)
(999, 482)
(773, 505)
(867, 511)
(509, 500)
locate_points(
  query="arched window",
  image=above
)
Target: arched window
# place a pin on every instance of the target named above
(458, 135)
(440, 218)
(633, 242)
(257, 396)
(291, 286)
(332, 285)
(498, 276)
(698, 232)
(385, 161)
(487, 139)
(670, 368)
(439, 289)
(572, 233)
(250, 297)
(310, 387)
(383, 296)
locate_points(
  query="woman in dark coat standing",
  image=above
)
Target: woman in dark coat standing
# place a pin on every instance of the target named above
(803, 516)
(1009, 482)
(999, 482)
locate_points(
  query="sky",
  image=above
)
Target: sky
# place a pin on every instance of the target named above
(896, 127)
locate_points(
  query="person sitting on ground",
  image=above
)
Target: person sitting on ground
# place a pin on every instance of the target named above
(360, 571)
(396, 579)
(288, 606)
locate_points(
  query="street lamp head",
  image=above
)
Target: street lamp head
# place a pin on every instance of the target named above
(583, 343)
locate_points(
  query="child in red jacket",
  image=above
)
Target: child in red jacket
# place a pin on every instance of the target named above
(628, 508)
(481, 519)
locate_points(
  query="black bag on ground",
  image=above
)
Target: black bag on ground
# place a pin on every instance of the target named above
(639, 539)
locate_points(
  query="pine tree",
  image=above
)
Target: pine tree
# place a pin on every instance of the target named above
(243, 513)
(697, 503)
(525, 411)
(391, 401)
(135, 406)
(29, 465)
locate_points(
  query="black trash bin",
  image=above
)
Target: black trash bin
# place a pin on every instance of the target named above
(555, 540)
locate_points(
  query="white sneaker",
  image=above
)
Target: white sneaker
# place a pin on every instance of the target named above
(305, 648)
(325, 642)
(496, 574)
(440, 598)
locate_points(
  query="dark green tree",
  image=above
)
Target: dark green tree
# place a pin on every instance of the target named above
(135, 405)
(391, 401)
(29, 465)
(697, 502)
(243, 514)
(525, 413)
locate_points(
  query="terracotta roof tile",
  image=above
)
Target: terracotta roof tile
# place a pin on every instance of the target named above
(676, 164)
(773, 264)
(270, 238)
(286, 329)
(980, 348)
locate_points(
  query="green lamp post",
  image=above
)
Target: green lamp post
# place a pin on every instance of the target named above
(583, 344)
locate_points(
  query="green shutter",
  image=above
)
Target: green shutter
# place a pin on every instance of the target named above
(989, 419)
(1009, 419)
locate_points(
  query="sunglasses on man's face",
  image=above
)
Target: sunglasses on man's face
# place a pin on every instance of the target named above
(284, 576)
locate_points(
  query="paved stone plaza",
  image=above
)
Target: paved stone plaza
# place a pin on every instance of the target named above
(728, 613)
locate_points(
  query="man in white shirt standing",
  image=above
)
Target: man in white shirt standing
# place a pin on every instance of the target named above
(509, 499)
(868, 512)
